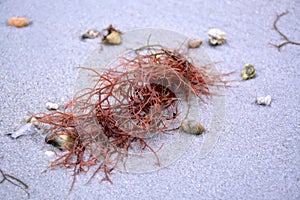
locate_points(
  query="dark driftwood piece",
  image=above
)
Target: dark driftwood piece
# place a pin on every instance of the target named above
(287, 40)
(15, 181)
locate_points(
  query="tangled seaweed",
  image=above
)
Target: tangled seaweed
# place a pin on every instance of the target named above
(127, 103)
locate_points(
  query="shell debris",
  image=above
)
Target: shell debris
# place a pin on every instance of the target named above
(192, 126)
(18, 22)
(52, 106)
(49, 153)
(62, 141)
(216, 36)
(248, 72)
(265, 101)
(26, 129)
(113, 36)
(194, 43)
(90, 34)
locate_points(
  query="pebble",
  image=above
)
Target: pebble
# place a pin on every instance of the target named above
(52, 106)
(18, 22)
(216, 36)
(194, 43)
(265, 101)
(192, 126)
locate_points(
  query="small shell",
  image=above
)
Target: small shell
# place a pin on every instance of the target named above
(192, 126)
(194, 43)
(52, 106)
(49, 153)
(18, 22)
(265, 101)
(113, 38)
(90, 34)
(248, 72)
(216, 36)
(34, 121)
(26, 129)
(60, 140)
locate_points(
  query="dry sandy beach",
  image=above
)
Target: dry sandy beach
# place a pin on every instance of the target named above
(257, 154)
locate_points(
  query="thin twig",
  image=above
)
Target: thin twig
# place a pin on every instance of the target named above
(11, 179)
(288, 41)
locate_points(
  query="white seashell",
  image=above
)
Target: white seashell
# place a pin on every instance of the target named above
(26, 129)
(34, 121)
(90, 34)
(265, 101)
(49, 153)
(216, 36)
(52, 106)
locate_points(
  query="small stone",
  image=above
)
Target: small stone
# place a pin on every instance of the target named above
(216, 36)
(90, 34)
(52, 106)
(265, 101)
(18, 22)
(248, 72)
(192, 126)
(194, 43)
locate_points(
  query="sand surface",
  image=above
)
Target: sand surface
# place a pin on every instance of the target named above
(257, 155)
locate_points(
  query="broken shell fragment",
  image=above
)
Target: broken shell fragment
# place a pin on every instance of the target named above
(52, 106)
(18, 22)
(62, 141)
(34, 121)
(26, 129)
(113, 38)
(248, 72)
(265, 101)
(49, 153)
(90, 34)
(194, 43)
(216, 36)
(192, 126)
